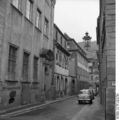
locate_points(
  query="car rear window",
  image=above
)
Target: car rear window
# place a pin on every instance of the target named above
(85, 91)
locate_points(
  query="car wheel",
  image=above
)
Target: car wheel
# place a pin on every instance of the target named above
(90, 101)
(79, 102)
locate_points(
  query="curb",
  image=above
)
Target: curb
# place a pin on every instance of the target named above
(29, 109)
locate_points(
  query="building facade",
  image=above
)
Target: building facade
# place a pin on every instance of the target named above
(61, 65)
(106, 56)
(93, 63)
(26, 51)
(78, 65)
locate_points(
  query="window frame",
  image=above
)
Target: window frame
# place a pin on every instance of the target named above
(46, 26)
(12, 62)
(25, 65)
(29, 10)
(17, 5)
(35, 69)
(56, 35)
(38, 22)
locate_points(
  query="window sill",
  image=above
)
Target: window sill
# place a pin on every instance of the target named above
(9, 80)
(29, 20)
(25, 82)
(38, 29)
(17, 9)
(46, 36)
(35, 82)
(11, 87)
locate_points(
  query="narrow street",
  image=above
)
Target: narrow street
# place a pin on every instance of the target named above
(54, 55)
(65, 110)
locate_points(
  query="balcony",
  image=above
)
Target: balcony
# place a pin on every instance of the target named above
(47, 54)
(62, 49)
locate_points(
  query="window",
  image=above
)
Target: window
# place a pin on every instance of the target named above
(35, 66)
(29, 9)
(68, 45)
(65, 44)
(58, 83)
(17, 3)
(38, 19)
(61, 41)
(56, 55)
(25, 66)
(46, 27)
(12, 62)
(60, 58)
(66, 62)
(56, 35)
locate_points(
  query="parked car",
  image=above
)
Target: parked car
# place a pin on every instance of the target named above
(85, 96)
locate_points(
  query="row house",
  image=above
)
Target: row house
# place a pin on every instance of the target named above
(78, 65)
(91, 54)
(26, 51)
(106, 56)
(94, 72)
(61, 69)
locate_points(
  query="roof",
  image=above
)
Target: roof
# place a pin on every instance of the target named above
(56, 27)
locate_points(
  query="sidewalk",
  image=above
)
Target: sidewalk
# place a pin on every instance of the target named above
(27, 108)
(98, 110)
(91, 112)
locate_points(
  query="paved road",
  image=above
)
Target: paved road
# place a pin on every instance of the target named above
(65, 110)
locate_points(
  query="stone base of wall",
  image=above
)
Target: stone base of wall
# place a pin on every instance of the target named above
(50, 93)
(10, 98)
(13, 96)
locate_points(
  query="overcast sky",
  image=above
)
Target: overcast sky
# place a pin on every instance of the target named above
(75, 17)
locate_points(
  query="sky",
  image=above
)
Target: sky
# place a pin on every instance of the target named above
(75, 17)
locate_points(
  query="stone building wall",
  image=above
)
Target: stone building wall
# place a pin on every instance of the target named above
(61, 70)
(106, 41)
(2, 25)
(22, 33)
(110, 47)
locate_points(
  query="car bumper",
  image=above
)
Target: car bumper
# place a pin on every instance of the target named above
(84, 99)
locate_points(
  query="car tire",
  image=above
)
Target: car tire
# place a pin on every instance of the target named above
(79, 102)
(91, 102)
